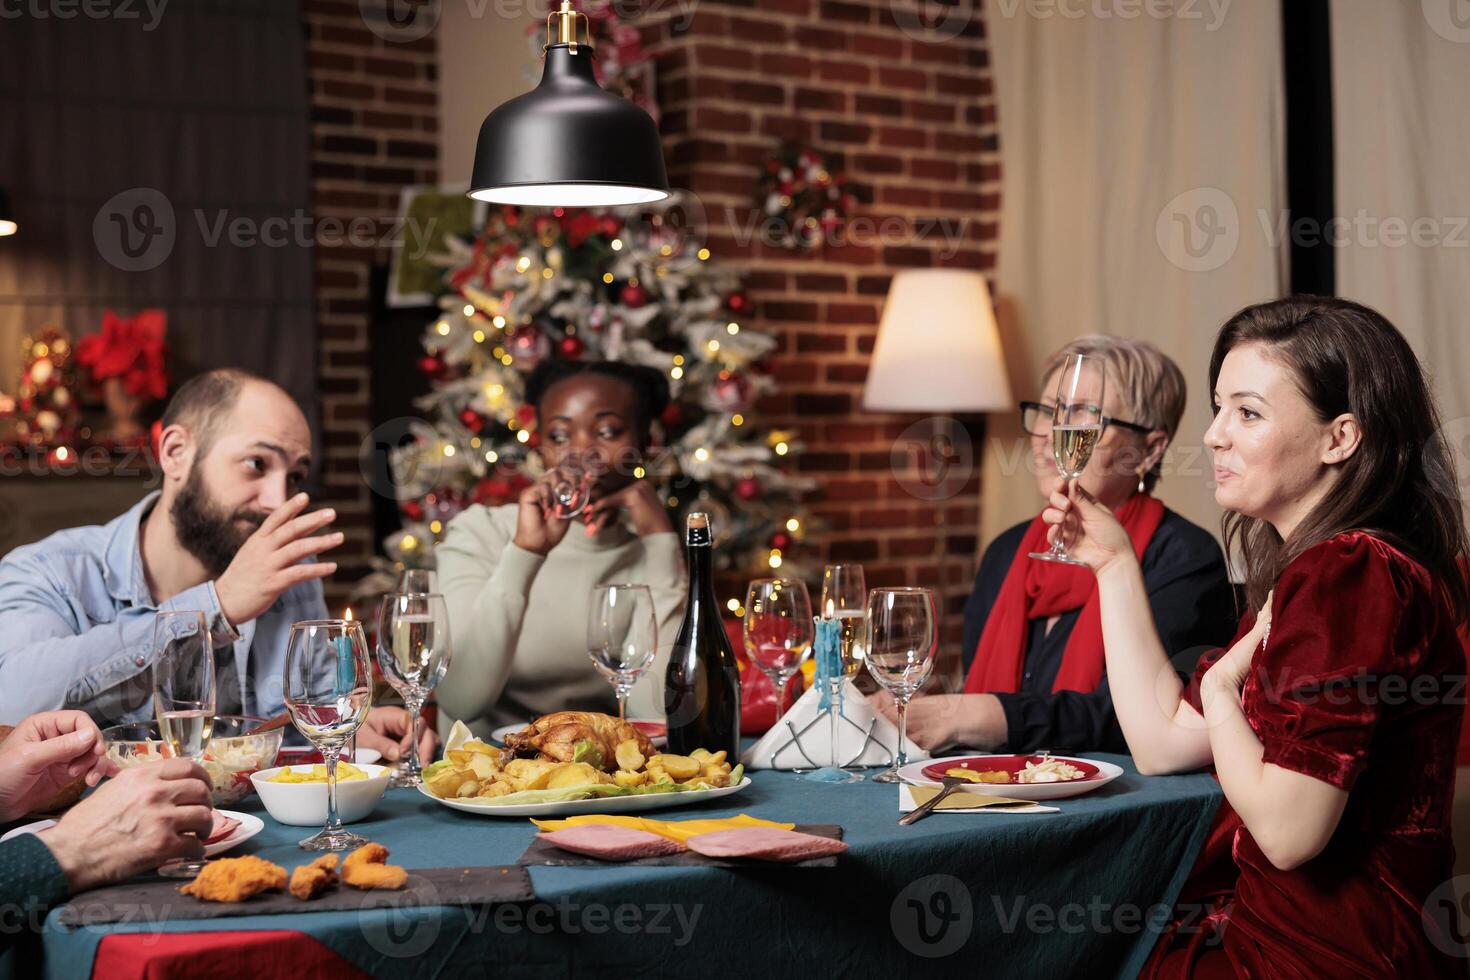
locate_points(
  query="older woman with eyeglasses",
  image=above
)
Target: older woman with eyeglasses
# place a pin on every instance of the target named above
(1033, 634)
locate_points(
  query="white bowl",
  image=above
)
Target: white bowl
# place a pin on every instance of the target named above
(305, 804)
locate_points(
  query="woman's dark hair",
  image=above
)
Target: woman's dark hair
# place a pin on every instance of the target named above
(650, 387)
(1400, 483)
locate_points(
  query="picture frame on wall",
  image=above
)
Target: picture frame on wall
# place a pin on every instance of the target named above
(428, 215)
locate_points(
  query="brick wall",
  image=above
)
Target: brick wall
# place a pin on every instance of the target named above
(375, 124)
(913, 117)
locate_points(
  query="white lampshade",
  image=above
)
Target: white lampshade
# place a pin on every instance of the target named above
(938, 347)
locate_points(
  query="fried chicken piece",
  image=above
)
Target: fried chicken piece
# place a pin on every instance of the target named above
(555, 737)
(235, 880)
(310, 880)
(366, 867)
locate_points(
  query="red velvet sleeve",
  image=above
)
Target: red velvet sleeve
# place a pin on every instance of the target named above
(1207, 660)
(1312, 696)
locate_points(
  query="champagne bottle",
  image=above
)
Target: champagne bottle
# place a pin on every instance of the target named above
(702, 688)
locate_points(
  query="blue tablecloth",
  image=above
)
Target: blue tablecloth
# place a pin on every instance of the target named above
(994, 894)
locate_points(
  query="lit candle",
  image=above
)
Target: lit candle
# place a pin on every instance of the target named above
(346, 673)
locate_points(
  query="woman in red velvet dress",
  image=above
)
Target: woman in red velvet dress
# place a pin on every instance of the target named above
(1332, 721)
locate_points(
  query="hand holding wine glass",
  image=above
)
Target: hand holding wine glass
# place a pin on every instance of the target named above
(183, 696)
(329, 689)
(622, 636)
(1076, 427)
(414, 653)
(902, 630)
(1095, 536)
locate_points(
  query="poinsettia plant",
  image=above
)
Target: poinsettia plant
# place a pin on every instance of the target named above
(130, 350)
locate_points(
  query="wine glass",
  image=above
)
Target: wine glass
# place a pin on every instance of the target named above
(413, 652)
(778, 630)
(902, 637)
(329, 689)
(844, 592)
(1076, 427)
(571, 491)
(622, 636)
(417, 581)
(183, 697)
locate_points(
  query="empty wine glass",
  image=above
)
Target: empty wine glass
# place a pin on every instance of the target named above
(778, 630)
(329, 689)
(622, 636)
(183, 697)
(1076, 427)
(413, 652)
(902, 638)
(571, 491)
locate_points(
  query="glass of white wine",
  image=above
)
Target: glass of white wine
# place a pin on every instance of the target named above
(183, 697)
(329, 689)
(413, 652)
(844, 593)
(1076, 427)
(902, 638)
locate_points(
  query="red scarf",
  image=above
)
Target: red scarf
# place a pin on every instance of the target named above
(1041, 589)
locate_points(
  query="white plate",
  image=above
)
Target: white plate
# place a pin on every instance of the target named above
(913, 773)
(659, 741)
(250, 825)
(366, 757)
(599, 804)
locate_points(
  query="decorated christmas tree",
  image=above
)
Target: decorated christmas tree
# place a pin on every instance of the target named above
(44, 413)
(573, 284)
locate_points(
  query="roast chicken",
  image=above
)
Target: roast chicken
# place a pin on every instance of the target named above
(555, 736)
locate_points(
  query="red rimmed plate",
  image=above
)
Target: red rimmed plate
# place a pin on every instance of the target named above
(931, 773)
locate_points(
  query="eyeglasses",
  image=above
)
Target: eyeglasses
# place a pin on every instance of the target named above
(1032, 414)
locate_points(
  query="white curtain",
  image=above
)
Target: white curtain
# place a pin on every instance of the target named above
(1401, 78)
(1143, 172)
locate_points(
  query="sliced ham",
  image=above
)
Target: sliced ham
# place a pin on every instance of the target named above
(611, 843)
(223, 827)
(764, 844)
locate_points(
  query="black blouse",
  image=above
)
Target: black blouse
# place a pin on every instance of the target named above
(1193, 606)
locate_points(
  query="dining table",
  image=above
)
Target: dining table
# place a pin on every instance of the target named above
(993, 893)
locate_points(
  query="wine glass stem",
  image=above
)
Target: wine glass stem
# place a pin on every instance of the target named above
(836, 687)
(622, 703)
(903, 719)
(416, 726)
(329, 756)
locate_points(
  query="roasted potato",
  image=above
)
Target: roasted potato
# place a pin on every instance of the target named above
(576, 774)
(628, 756)
(625, 778)
(679, 767)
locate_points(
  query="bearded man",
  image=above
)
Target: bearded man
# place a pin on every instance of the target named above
(228, 535)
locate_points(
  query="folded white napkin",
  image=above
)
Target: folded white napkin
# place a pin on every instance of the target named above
(776, 751)
(906, 803)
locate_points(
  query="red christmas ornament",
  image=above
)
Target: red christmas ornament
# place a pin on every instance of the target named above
(782, 540)
(634, 296)
(748, 489)
(610, 227)
(526, 414)
(672, 415)
(571, 347)
(472, 420)
(431, 366)
(413, 510)
(738, 302)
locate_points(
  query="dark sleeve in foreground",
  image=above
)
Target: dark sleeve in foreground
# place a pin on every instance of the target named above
(1194, 609)
(30, 883)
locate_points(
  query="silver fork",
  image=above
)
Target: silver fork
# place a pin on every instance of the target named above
(951, 783)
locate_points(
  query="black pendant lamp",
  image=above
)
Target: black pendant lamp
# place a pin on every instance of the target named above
(568, 143)
(7, 219)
